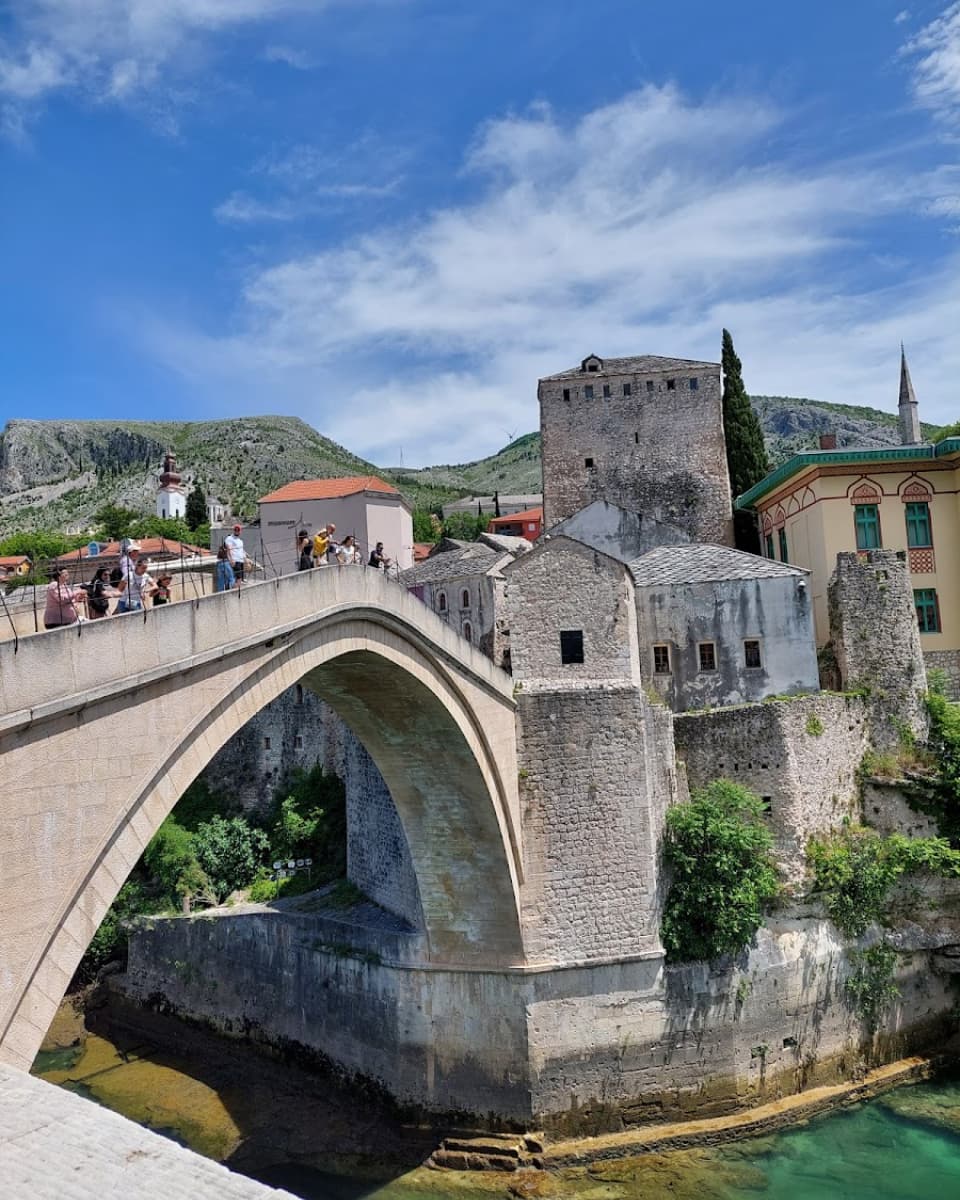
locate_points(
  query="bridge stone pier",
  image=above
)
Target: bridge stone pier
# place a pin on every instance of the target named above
(530, 819)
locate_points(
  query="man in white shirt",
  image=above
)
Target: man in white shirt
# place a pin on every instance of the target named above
(238, 556)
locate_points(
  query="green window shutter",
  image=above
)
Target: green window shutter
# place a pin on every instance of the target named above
(866, 520)
(928, 609)
(919, 532)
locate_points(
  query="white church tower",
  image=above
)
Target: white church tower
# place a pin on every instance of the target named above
(171, 498)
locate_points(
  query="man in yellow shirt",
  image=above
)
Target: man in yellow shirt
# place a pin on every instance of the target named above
(322, 540)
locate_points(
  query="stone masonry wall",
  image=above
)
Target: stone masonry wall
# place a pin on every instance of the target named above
(596, 777)
(564, 585)
(947, 661)
(873, 628)
(659, 451)
(801, 756)
(378, 857)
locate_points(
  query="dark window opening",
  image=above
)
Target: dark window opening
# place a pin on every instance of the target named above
(566, 393)
(571, 646)
(751, 654)
(627, 389)
(671, 385)
(694, 383)
(708, 656)
(928, 610)
(606, 391)
(465, 598)
(588, 391)
(768, 541)
(298, 742)
(442, 602)
(588, 462)
(789, 1043)
(592, 367)
(266, 743)
(299, 693)
(661, 660)
(649, 385)
(468, 631)
(766, 803)
(783, 545)
(636, 438)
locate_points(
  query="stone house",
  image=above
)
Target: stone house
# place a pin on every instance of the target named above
(831, 501)
(463, 583)
(365, 506)
(704, 626)
(645, 433)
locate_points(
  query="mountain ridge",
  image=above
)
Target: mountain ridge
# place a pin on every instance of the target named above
(57, 474)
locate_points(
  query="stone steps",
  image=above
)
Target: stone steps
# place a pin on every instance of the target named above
(489, 1152)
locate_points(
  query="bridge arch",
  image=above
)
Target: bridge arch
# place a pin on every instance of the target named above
(90, 768)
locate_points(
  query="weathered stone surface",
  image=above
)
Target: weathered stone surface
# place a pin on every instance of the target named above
(55, 1145)
(659, 450)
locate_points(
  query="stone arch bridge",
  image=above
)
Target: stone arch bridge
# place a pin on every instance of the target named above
(103, 726)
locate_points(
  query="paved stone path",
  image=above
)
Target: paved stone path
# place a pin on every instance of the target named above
(57, 1146)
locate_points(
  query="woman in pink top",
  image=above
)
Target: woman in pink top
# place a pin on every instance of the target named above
(62, 601)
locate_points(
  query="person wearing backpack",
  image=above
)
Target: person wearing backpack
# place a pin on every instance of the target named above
(98, 603)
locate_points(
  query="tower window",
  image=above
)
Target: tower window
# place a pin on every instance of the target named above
(606, 391)
(661, 660)
(627, 389)
(566, 393)
(588, 390)
(694, 383)
(465, 598)
(649, 385)
(298, 742)
(671, 385)
(768, 542)
(708, 656)
(588, 462)
(782, 534)
(593, 366)
(928, 610)
(571, 646)
(468, 631)
(751, 654)
(442, 602)
(636, 438)
(266, 743)
(299, 693)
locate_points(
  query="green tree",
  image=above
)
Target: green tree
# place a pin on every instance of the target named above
(948, 431)
(718, 848)
(311, 821)
(229, 851)
(465, 527)
(169, 855)
(40, 544)
(172, 528)
(746, 452)
(114, 522)
(196, 506)
(426, 525)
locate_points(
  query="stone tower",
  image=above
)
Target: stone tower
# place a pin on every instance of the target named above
(171, 497)
(644, 433)
(909, 413)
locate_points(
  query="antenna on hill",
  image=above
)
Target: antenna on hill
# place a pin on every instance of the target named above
(511, 437)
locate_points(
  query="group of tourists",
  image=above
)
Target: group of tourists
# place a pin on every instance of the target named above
(128, 582)
(322, 550)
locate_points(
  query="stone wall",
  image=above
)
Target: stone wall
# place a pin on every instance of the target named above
(947, 661)
(378, 857)
(659, 451)
(801, 756)
(596, 777)
(564, 585)
(887, 809)
(578, 1050)
(873, 628)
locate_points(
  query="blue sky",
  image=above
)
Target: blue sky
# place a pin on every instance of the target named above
(389, 217)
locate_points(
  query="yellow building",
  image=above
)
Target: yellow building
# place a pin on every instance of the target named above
(903, 497)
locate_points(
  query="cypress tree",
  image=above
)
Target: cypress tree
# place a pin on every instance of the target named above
(746, 452)
(196, 513)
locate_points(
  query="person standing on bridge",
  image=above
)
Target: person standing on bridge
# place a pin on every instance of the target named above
(224, 577)
(304, 550)
(135, 589)
(62, 601)
(238, 555)
(378, 559)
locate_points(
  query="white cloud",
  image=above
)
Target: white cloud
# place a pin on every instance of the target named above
(298, 59)
(118, 50)
(902, 16)
(936, 49)
(641, 228)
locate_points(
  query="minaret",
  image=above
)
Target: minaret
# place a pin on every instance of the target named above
(171, 499)
(909, 413)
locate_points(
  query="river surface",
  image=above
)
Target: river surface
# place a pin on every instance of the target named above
(322, 1141)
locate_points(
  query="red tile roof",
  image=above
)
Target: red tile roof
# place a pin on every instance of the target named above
(12, 560)
(151, 547)
(329, 489)
(421, 550)
(531, 514)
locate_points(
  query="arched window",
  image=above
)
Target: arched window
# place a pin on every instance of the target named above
(465, 598)
(299, 693)
(441, 602)
(468, 631)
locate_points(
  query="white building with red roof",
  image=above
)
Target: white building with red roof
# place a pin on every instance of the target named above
(363, 505)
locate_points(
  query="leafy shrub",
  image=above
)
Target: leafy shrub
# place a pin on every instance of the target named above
(719, 850)
(169, 854)
(229, 852)
(110, 940)
(814, 725)
(311, 822)
(855, 870)
(871, 986)
(943, 802)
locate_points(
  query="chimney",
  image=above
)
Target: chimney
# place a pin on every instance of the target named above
(908, 410)
(828, 441)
